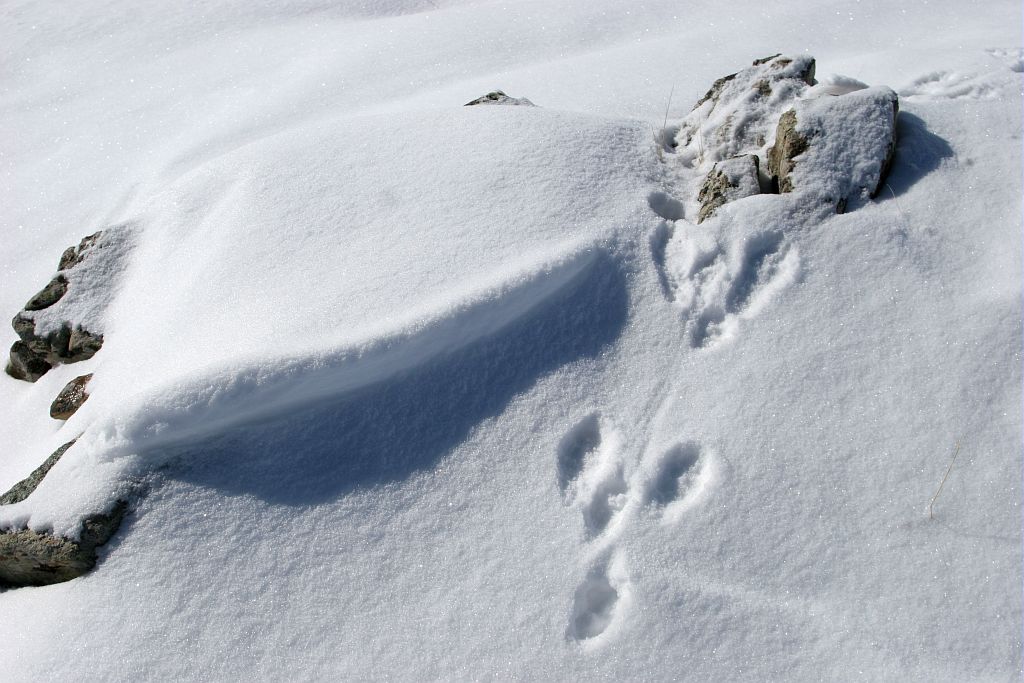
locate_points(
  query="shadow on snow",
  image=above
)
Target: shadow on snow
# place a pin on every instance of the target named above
(385, 432)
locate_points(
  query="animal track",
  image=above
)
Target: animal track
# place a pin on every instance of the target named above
(596, 600)
(717, 288)
(681, 475)
(590, 474)
(580, 441)
(592, 478)
(607, 499)
(954, 85)
(668, 481)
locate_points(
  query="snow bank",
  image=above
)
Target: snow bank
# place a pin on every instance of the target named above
(557, 453)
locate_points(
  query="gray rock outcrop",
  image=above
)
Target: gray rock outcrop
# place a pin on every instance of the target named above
(498, 97)
(772, 125)
(49, 295)
(31, 558)
(70, 398)
(40, 349)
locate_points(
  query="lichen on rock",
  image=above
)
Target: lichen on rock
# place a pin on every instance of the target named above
(70, 398)
(26, 486)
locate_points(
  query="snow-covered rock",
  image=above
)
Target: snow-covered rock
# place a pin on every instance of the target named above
(729, 179)
(63, 322)
(33, 558)
(834, 148)
(739, 112)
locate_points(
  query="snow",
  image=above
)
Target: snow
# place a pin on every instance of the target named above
(849, 160)
(403, 389)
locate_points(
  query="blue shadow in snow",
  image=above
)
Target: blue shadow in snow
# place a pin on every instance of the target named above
(918, 153)
(385, 432)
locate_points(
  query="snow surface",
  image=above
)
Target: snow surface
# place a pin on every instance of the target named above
(419, 391)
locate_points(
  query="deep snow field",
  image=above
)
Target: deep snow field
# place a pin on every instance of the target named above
(401, 389)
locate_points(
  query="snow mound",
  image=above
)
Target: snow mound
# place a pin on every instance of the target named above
(257, 285)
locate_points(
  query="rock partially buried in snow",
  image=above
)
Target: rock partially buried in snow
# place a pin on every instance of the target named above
(31, 558)
(738, 114)
(836, 147)
(26, 486)
(33, 356)
(72, 256)
(49, 295)
(729, 180)
(70, 398)
(498, 97)
(57, 325)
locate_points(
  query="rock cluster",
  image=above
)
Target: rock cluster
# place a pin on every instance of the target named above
(772, 127)
(80, 290)
(35, 354)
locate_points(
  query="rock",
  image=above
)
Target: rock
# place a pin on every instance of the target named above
(729, 180)
(739, 112)
(33, 356)
(49, 295)
(789, 144)
(72, 256)
(836, 148)
(24, 326)
(70, 398)
(498, 97)
(82, 345)
(23, 488)
(26, 364)
(30, 558)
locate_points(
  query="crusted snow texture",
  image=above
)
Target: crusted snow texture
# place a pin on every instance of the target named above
(738, 114)
(498, 97)
(836, 147)
(729, 180)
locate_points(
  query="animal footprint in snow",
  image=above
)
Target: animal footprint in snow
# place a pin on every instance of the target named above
(679, 479)
(599, 599)
(718, 288)
(590, 473)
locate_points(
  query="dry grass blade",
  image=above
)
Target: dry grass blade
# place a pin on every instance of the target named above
(931, 505)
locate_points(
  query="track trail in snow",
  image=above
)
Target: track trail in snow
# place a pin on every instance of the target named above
(596, 480)
(715, 277)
